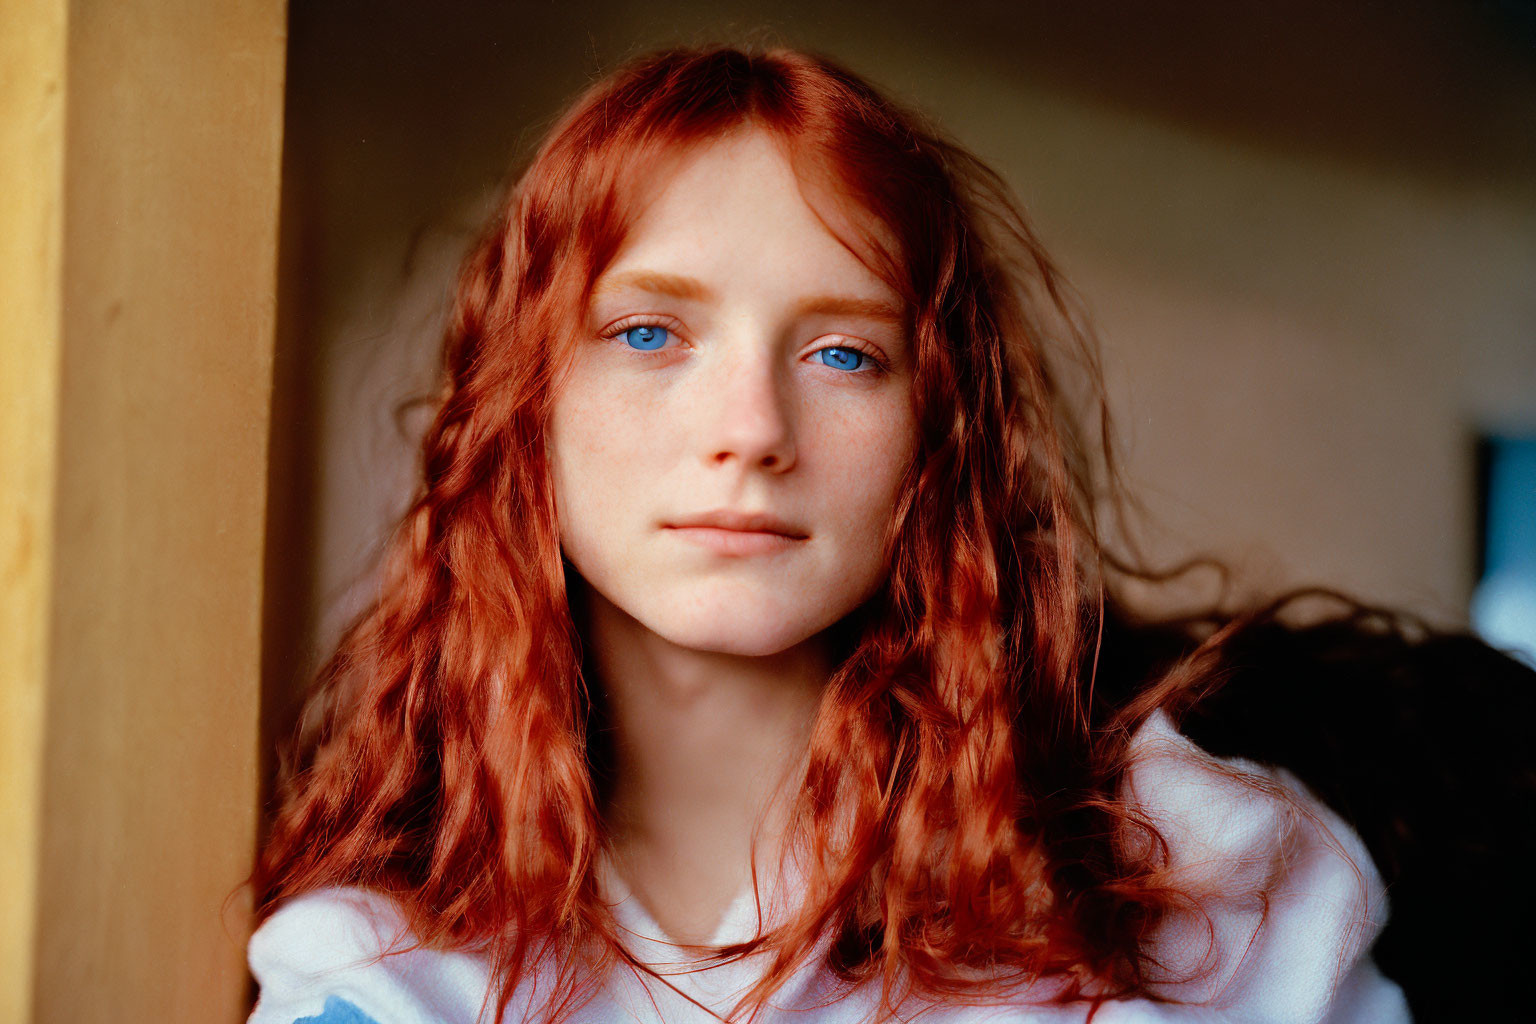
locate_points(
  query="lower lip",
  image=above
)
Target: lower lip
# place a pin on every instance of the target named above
(735, 542)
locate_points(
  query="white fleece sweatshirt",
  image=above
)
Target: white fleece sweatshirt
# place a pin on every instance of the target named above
(1297, 955)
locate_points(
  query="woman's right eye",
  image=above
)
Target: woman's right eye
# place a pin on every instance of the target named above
(645, 337)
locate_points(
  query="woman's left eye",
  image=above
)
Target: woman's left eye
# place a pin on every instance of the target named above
(842, 358)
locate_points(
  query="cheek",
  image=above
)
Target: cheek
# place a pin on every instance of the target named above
(601, 450)
(862, 461)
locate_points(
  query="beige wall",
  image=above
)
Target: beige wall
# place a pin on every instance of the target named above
(1301, 350)
(146, 259)
(1313, 289)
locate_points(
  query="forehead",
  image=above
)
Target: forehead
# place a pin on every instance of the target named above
(733, 209)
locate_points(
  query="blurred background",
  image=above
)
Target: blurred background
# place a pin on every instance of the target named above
(1306, 230)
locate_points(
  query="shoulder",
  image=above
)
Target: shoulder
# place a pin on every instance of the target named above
(1286, 899)
(347, 955)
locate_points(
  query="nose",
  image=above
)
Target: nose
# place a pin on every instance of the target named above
(750, 417)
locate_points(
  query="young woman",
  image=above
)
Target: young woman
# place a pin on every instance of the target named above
(738, 658)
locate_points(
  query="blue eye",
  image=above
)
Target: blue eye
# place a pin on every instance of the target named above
(842, 358)
(646, 337)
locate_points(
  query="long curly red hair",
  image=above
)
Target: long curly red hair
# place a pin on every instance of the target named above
(959, 800)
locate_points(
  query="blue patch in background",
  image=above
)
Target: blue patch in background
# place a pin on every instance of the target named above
(1504, 604)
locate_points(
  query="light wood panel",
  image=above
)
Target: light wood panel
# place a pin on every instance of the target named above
(140, 448)
(32, 49)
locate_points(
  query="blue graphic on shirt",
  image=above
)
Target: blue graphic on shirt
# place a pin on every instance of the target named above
(338, 1011)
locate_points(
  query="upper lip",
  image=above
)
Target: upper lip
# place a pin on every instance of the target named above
(731, 519)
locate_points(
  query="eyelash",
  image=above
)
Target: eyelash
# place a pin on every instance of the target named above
(878, 365)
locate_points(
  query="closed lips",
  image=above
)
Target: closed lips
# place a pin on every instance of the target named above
(747, 522)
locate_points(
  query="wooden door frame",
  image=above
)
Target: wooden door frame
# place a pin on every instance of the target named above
(139, 193)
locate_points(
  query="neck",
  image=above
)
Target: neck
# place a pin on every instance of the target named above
(706, 747)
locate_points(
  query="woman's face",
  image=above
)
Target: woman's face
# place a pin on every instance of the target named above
(738, 360)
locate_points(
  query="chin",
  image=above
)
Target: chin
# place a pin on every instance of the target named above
(742, 638)
(745, 628)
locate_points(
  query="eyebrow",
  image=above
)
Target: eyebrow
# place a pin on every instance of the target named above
(670, 285)
(837, 305)
(692, 290)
